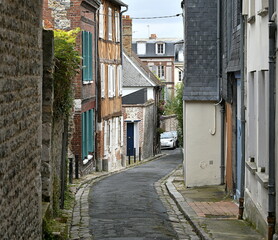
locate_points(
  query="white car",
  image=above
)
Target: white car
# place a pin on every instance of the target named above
(167, 140)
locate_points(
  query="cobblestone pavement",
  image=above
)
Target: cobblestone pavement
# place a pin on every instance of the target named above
(130, 206)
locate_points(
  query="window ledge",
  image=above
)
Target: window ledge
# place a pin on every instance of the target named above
(263, 179)
(263, 12)
(251, 19)
(87, 159)
(252, 167)
(87, 82)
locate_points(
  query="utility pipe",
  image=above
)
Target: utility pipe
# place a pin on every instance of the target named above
(271, 182)
(242, 107)
(222, 110)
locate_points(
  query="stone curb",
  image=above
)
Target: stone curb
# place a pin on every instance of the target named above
(79, 224)
(184, 207)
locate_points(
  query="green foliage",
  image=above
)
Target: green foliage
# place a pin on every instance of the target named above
(175, 106)
(67, 65)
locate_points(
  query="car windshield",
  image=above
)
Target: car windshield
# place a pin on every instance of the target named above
(166, 135)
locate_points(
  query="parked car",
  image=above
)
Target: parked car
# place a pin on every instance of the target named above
(167, 140)
(175, 133)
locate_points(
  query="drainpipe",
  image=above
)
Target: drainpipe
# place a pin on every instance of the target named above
(222, 110)
(271, 183)
(121, 28)
(242, 48)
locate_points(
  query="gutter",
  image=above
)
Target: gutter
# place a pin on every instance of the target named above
(121, 29)
(271, 183)
(243, 120)
(222, 110)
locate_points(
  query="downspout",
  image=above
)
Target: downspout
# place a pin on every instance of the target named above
(271, 182)
(242, 107)
(222, 110)
(121, 29)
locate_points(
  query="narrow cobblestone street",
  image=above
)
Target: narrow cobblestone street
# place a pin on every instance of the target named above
(135, 205)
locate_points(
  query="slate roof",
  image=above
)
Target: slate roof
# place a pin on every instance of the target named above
(119, 2)
(150, 47)
(136, 73)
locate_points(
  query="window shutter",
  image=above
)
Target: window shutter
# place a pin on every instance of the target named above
(101, 21)
(109, 24)
(84, 55)
(84, 152)
(90, 131)
(102, 75)
(110, 75)
(105, 138)
(120, 79)
(117, 132)
(114, 81)
(90, 56)
(110, 134)
(118, 30)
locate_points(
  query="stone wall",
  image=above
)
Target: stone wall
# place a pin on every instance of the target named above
(169, 123)
(20, 119)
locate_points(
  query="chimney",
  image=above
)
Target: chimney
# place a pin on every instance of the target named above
(127, 34)
(153, 36)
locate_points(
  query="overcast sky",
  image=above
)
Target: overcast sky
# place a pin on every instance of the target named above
(164, 28)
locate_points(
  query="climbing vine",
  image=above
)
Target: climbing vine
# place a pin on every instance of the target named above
(67, 65)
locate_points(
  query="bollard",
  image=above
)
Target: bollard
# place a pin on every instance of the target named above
(70, 170)
(129, 156)
(134, 155)
(140, 154)
(76, 167)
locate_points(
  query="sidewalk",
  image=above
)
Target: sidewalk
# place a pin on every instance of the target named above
(212, 215)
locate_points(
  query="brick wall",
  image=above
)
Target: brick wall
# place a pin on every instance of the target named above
(20, 119)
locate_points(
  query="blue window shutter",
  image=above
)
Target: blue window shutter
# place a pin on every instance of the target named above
(89, 129)
(84, 151)
(90, 58)
(85, 55)
(93, 130)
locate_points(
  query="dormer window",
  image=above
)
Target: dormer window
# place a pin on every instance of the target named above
(141, 48)
(160, 48)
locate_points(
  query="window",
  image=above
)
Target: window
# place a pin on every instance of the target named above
(180, 76)
(122, 130)
(160, 48)
(106, 138)
(111, 81)
(102, 76)
(110, 24)
(116, 133)
(180, 56)
(160, 72)
(101, 21)
(117, 27)
(120, 81)
(141, 48)
(87, 133)
(87, 51)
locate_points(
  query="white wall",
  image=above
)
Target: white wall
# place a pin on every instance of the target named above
(202, 144)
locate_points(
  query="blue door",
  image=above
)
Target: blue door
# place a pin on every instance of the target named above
(130, 139)
(239, 150)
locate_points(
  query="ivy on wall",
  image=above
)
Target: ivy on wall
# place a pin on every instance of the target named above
(67, 65)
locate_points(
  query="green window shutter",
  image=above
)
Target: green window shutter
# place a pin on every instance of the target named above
(90, 58)
(84, 143)
(93, 129)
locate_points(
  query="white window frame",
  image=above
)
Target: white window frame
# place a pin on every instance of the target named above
(116, 132)
(161, 71)
(117, 27)
(157, 48)
(111, 81)
(180, 76)
(102, 77)
(110, 134)
(110, 22)
(101, 21)
(120, 79)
